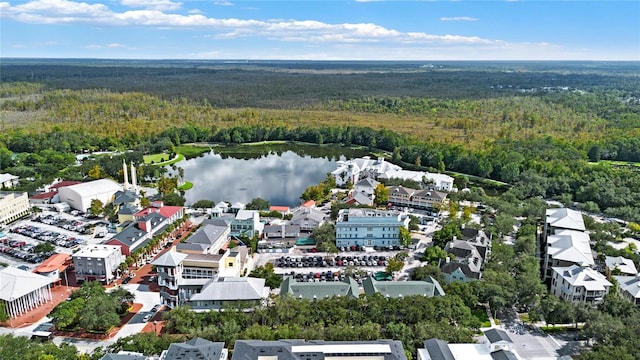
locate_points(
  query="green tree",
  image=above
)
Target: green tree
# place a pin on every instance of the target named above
(96, 208)
(405, 236)
(257, 204)
(381, 195)
(203, 204)
(95, 172)
(167, 185)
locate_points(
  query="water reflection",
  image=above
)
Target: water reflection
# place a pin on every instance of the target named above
(279, 178)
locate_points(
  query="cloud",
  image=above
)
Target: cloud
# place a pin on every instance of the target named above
(458, 18)
(159, 5)
(115, 45)
(277, 30)
(223, 3)
(195, 11)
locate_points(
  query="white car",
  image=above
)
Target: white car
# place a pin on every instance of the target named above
(147, 317)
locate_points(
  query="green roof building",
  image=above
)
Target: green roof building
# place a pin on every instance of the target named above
(319, 290)
(395, 289)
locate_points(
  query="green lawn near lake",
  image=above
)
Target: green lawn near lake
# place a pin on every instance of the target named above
(481, 314)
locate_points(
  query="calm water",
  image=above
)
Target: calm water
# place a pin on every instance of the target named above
(278, 176)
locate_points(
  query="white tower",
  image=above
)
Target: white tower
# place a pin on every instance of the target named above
(134, 177)
(126, 175)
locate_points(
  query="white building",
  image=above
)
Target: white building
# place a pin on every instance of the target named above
(565, 248)
(369, 227)
(13, 206)
(8, 181)
(353, 170)
(97, 262)
(495, 345)
(23, 291)
(318, 349)
(79, 196)
(620, 265)
(558, 220)
(579, 285)
(401, 196)
(629, 287)
(439, 182)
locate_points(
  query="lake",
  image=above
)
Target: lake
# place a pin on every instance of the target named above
(277, 173)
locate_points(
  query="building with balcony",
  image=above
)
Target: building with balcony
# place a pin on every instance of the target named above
(431, 200)
(350, 171)
(97, 262)
(246, 222)
(579, 285)
(307, 218)
(369, 227)
(182, 275)
(629, 288)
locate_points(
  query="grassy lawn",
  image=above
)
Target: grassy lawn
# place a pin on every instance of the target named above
(155, 158)
(186, 186)
(481, 314)
(524, 318)
(191, 151)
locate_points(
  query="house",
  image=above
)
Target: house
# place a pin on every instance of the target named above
(196, 348)
(237, 292)
(369, 227)
(146, 224)
(431, 200)
(309, 204)
(619, 265)
(318, 290)
(455, 271)
(349, 172)
(307, 218)
(579, 285)
(44, 198)
(280, 236)
(125, 355)
(13, 206)
(22, 291)
(358, 198)
(318, 349)
(284, 210)
(429, 287)
(8, 181)
(235, 208)
(366, 186)
(97, 262)
(566, 247)
(246, 223)
(468, 260)
(629, 288)
(495, 345)
(181, 275)
(432, 181)
(208, 239)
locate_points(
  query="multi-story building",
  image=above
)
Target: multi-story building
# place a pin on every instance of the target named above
(13, 206)
(353, 170)
(431, 181)
(97, 262)
(246, 222)
(563, 241)
(579, 285)
(629, 288)
(208, 239)
(8, 181)
(280, 236)
(565, 248)
(307, 218)
(431, 200)
(369, 227)
(182, 275)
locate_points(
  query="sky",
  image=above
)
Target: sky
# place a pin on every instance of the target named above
(321, 29)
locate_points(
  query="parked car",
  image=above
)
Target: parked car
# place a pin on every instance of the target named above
(147, 317)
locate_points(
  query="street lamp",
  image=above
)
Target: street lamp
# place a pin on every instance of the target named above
(155, 322)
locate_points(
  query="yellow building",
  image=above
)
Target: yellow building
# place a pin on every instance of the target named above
(13, 205)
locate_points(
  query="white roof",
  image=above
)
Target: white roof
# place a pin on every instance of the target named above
(626, 266)
(246, 214)
(97, 251)
(15, 283)
(7, 177)
(232, 288)
(629, 284)
(470, 351)
(587, 278)
(170, 258)
(565, 218)
(570, 245)
(342, 348)
(96, 187)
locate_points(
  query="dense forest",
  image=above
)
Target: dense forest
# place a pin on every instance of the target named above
(552, 130)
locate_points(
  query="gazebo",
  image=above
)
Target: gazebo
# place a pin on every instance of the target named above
(23, 291)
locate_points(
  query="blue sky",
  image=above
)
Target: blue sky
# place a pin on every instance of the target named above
(321, 29)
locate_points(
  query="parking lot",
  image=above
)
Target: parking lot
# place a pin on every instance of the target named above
(64, 231)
